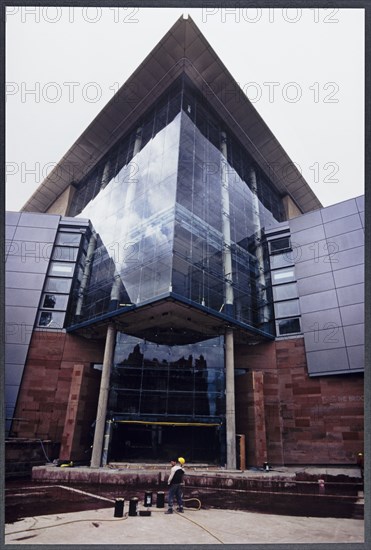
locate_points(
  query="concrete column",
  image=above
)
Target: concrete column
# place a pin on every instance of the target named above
(103, 397)
(230, 415)
(228, 308)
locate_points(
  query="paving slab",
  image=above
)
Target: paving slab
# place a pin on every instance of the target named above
(212, 526)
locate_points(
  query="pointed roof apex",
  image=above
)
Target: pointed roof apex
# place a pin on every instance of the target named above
(182, 49)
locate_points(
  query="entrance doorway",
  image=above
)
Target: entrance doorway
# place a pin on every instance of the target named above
(161, 441)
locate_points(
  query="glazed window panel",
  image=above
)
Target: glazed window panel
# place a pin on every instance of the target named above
(288, 326)
(153, 402)
(68, 239)
(65, 253)
(61, 269)
(284, 309)
(283, 276)
(54, 301)
(54, 284)
(51, 319)
(285, 292)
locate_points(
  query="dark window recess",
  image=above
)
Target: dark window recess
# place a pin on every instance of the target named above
(45, 319)
(280, 245)
(288, 326)
(49, 301)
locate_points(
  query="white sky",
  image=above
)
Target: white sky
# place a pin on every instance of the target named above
(303, 70)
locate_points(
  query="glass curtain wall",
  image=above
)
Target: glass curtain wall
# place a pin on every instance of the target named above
(169, 386)
(179, 206)
(216, 182)
(130, 198)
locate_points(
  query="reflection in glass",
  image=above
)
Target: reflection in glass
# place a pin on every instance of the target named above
(178, 381)
(156, 203)
(288, 326)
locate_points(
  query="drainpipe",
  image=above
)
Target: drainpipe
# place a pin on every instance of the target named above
(105, 175)
(107, 441)
(258, 245)
(229, 298)
(87, 268)
(226, 227)
(103, 397)
(132, 182)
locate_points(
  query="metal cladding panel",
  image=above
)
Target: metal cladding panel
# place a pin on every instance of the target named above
(331, 288)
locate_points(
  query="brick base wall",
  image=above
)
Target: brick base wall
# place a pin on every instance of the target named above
(307, 420)
(44, 393)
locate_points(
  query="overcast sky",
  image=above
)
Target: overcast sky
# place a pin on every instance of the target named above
(302, 69)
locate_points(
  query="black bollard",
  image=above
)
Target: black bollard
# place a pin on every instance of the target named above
(160, 503)
(119, 508)
(133, 506)
(148, 498)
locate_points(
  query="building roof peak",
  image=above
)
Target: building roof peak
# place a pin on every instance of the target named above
(182, 49)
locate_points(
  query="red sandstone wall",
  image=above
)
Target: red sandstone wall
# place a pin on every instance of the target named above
(307, 420)
(45, 389)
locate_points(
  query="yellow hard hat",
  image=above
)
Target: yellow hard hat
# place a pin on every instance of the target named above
(181, 460)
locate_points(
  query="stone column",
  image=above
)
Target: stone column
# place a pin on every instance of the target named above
(103, 397)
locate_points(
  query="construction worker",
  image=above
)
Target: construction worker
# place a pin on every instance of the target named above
(175, 482)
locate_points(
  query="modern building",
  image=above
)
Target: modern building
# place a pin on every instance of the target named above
(175, 286)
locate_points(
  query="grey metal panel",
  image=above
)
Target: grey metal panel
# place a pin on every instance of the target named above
(360, 203)
(348, 295)
(309, 268)
(38, 234)
(362, 217)
(313, 251)
(15, 353)
(26, 264)
(11, 218)
(352, 315)
(13, 375)
(17, 333)
(327, 361)
(305, 221)
(11, 394)
(354, 335)
(339, 210)
(343, 225)
(349, 276)
(316, 283)
(22, 298)
(24, 315)
(348, 240)
(39, 250)
(318, 301)
(328, 338)
(9, 232)
(319, 319)
(29, 219)
(24, 280)
(348, 258)
(307, 236)
(356, 356)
